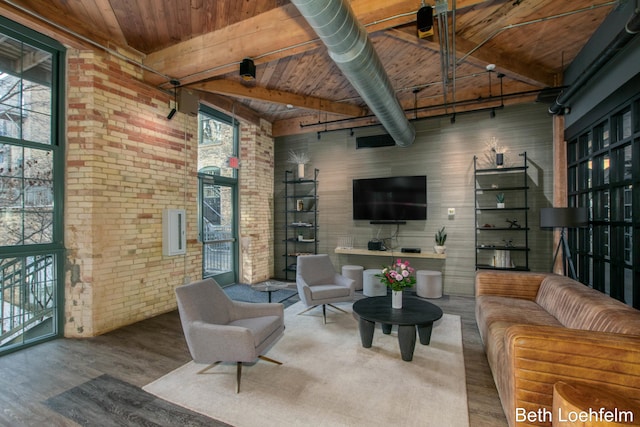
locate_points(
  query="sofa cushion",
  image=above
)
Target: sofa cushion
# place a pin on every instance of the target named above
(577, 306)
(507, 311)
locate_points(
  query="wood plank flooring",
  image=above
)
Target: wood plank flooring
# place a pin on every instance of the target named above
(140, 353)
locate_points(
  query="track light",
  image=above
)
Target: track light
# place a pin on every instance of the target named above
(424, 21)
(247, 69)
(453, 118)
(492, 114)
(174, 110)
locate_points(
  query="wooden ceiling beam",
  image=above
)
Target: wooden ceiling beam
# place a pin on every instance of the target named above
(272, 35)
(238, 90)
(506, 64)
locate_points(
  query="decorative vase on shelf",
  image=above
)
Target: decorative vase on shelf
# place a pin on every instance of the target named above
(396, 299)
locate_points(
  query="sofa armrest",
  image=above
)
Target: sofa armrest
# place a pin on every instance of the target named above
(210, 343)
(512, 284)
(539, 356)
(341, 280)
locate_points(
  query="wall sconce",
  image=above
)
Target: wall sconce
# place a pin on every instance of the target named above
(247, 69)
(174, 110)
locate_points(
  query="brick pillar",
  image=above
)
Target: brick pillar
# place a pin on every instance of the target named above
(256, 202)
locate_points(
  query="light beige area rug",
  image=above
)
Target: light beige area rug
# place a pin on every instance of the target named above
(328, 379)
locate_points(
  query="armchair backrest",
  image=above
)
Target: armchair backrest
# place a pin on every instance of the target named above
(203, 301)
(315, 269)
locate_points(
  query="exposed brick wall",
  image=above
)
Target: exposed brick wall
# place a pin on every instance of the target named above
(256, 202)
(125, 163)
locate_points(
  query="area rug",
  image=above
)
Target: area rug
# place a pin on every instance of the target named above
(328, 379)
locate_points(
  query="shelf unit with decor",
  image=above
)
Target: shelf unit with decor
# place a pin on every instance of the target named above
(502, 233)
(301, 219)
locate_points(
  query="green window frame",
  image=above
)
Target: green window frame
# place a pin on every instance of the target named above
(32, 69)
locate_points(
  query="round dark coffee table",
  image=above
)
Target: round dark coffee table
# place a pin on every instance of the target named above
(414, 314)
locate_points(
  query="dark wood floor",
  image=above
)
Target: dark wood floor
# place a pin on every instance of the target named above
(143, 352)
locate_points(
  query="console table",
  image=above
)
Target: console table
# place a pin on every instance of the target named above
(394, 254)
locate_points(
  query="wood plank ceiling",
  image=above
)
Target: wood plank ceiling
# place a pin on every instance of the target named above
(297, 87)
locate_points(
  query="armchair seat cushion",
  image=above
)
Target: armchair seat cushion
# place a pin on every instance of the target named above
(329, 292)
(261, 327)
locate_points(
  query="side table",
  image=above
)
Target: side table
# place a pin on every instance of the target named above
(269, 287)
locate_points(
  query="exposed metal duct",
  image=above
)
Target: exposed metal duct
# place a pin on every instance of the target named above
(620, 41)
(352, 51)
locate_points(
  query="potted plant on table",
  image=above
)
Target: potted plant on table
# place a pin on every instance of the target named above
(397, 277)
(441, 238)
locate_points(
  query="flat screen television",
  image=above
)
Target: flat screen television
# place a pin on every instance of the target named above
(391, 199)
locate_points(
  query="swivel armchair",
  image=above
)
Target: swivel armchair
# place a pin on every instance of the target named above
(319, 284)
(218, 329)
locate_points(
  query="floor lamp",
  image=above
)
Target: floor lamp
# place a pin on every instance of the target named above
(564, 218)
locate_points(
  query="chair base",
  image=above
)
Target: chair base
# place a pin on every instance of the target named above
(239, 369)
(324, 310)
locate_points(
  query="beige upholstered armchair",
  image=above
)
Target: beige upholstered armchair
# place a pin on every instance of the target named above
(218, 329)
(319, 284)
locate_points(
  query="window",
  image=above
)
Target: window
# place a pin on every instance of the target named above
(31, 168)
(602, 177)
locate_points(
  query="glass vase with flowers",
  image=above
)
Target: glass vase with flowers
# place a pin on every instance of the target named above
(397, 276)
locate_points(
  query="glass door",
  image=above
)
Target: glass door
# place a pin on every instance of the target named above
(218, 195)
(218, 231)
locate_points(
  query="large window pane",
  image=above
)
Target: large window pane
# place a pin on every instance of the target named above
(216, 146)
(27, 298)
(25, 91)
(26, 195)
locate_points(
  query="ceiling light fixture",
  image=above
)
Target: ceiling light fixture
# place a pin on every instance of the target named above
(247, 69)
(174, 110)
(424, 21)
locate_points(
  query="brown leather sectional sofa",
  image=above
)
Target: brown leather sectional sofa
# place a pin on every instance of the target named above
(538, 329)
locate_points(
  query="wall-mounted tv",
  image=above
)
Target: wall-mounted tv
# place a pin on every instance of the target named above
(391, 199)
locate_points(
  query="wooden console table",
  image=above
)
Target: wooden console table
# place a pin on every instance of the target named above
(395, 254)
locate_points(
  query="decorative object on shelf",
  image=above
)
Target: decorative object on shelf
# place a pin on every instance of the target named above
(564, 218)
(501, 245)
(299, 205)
(513, 223)
(299, 159)
(495, 155)
(441, 238)
(502, 259)
(397, 277)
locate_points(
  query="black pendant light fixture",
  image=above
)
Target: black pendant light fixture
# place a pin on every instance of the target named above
(174, 110)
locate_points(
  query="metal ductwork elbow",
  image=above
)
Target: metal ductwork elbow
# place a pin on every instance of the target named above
(352, 51)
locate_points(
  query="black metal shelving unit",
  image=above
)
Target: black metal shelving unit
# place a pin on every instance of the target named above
(300, 221)
(502, 233)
